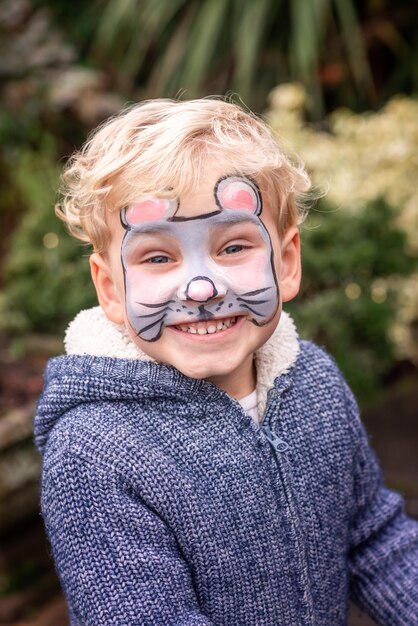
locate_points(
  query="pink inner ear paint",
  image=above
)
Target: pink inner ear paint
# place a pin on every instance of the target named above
(237, 195)
(147, 211)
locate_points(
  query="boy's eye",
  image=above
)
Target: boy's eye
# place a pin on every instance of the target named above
(233, 249)
(159, 258)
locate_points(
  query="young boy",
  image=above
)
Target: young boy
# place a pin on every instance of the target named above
(202, 466)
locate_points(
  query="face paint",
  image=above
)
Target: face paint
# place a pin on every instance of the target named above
(150, 209)
(186, 269)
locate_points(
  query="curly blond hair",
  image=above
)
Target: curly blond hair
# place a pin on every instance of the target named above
(161, 147)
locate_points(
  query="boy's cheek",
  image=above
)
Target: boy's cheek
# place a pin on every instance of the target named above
(251, 275)
(147, 287)
(150, 288)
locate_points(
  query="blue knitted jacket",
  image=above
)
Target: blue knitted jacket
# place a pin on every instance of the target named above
(165, 504)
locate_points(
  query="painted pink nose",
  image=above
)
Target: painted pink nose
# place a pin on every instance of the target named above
(201, 290)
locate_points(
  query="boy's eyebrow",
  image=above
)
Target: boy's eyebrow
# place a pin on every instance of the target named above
(223, 218)
(231, 218)
(151, 228)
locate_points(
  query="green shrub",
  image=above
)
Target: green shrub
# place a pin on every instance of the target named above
(351, 266)
(368, 165)
(47, 278)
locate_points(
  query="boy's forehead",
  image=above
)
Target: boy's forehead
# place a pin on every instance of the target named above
(190, 176)
(194, 195)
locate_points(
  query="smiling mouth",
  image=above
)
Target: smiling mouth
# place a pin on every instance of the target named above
(209, 327)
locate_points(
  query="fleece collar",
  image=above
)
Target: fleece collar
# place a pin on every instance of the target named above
(91, 333)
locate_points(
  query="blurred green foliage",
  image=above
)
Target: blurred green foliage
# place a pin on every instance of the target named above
(356, 52)
(46, 273)
(347, 302)
(240, 45)
(363, 161)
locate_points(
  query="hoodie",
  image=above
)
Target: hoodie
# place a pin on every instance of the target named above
(165, 504)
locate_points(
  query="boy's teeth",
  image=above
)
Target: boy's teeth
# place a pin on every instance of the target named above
(207, 328)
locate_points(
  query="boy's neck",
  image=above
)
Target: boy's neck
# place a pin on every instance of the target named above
(240, 382)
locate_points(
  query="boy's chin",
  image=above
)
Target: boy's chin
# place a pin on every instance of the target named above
(202, 367)
(236, 377)
(202, 371)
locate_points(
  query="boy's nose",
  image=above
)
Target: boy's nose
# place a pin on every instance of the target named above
(201, 289)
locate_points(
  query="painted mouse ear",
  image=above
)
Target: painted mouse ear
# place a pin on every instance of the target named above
(237, 193)
(148, 210)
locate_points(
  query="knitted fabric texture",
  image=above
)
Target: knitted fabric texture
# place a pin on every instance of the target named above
(165, 504)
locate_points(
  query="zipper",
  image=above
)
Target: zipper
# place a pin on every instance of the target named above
(279, 445)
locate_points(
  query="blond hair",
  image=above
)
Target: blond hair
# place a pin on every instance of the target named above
(161, 147)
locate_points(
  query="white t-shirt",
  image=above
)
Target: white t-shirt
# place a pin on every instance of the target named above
(249, 404)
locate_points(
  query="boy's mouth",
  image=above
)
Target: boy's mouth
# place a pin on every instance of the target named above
(208, 327)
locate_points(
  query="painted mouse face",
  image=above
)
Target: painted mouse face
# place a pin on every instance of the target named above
(211, 266)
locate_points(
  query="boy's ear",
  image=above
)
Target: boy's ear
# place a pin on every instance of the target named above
(291, 269)
(107, 293)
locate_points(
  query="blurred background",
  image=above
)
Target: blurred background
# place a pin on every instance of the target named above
(338, 82)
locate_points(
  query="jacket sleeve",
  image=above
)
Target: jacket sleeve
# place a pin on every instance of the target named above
(383, 541)
(118, 562)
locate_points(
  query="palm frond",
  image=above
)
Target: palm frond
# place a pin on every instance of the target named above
(203, 38)
(243, 45)
(354, 44)
(166, 75)
(247, 43)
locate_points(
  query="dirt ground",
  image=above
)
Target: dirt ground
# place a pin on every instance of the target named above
(29, 590)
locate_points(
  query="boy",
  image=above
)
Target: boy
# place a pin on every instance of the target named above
(202, 466)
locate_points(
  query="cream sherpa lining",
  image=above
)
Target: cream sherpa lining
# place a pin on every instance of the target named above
(92, 333)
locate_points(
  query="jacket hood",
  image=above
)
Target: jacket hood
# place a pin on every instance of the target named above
(103, 364)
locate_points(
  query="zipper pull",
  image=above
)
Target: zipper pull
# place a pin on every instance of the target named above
(278, 444)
